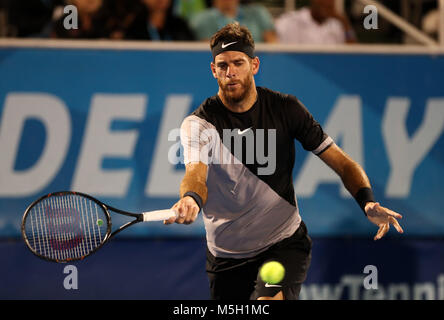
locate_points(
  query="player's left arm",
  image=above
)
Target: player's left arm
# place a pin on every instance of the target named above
(357, 183)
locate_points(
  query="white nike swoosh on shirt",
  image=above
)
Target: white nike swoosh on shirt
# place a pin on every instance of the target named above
(243, 131)
(267, 285)
(228, 44)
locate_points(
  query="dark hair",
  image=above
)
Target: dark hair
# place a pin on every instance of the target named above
(232, 32)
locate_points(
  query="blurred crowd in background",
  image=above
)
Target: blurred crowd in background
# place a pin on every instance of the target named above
(270, 21)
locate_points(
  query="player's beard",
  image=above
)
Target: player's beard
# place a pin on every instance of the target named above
(238, 94)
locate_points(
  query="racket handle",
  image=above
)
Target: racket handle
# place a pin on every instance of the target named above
(159, 215)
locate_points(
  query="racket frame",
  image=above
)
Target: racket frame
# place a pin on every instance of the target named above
(109, 234)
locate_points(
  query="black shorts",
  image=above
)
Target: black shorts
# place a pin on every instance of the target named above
(238, 279)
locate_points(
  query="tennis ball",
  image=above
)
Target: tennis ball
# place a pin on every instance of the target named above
(272, 272)
(99, 222)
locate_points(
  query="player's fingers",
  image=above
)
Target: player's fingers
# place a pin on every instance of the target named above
(196, 213)
(378, 233)
(172, 219)
(189, 215)
(193, 210)
(382, 231)
(385, 229)
(169, 221)
(387, 211)
(396, 225)
(182, 211)
(394, 214)
(374, 205)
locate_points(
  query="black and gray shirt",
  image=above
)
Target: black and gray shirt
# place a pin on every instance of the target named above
(250, 156)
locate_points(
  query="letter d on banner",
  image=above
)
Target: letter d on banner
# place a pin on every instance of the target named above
(53, 114)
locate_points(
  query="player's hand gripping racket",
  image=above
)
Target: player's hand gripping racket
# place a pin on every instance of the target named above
(67, 226)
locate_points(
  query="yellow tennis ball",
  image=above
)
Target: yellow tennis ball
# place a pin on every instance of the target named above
(272, 272)
(99, 222)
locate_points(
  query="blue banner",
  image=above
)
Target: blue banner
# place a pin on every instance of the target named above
(104, 122)
(341, 269)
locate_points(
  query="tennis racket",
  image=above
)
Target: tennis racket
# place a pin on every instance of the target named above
(67, 226)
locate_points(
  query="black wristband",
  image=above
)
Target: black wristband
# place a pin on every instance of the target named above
(363, 196)
(195, 196)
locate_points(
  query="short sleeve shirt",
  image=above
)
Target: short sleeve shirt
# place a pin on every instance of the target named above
(250, 156)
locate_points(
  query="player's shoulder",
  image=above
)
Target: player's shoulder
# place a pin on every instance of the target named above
(285, 105)
(207, 108)
(205, 114)
(277, 98)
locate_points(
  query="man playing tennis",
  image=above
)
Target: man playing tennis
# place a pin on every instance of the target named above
(247, 198)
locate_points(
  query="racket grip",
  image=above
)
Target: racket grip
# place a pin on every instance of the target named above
(159, 215)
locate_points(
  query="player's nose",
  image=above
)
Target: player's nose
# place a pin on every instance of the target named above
(230, 72)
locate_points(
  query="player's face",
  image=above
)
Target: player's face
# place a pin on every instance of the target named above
(234, 72)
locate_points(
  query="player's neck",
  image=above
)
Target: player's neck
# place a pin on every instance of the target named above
(243, 105)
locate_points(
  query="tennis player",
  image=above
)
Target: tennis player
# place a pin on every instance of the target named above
(239, 155)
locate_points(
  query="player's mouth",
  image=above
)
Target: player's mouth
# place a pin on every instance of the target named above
(233, 85)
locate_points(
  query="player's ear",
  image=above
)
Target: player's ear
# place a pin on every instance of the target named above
(255, 65)
(213, 69)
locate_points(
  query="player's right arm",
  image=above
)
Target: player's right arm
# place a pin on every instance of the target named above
(196, 137)
(193, 193)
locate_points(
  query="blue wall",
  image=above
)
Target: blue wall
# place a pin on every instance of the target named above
(98, 121)
(174, 269)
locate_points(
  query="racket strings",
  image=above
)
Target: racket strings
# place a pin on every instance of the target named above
(65, 227)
